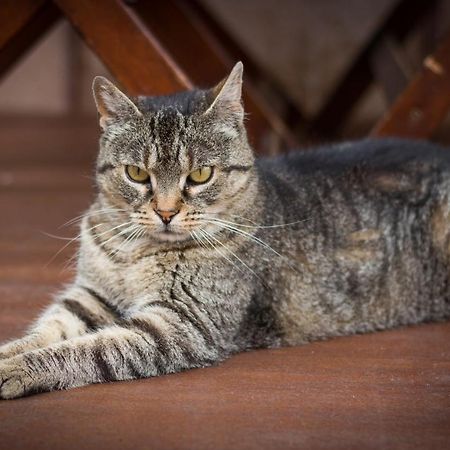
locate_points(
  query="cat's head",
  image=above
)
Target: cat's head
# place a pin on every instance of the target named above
(174, 164)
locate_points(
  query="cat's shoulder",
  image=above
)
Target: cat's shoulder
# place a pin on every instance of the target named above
(367, 154)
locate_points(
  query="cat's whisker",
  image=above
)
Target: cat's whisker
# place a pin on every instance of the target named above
(136, 229)
(206, 238)
(62, 238)
(232, 215)
(260, 226)
(141, 233)
(115, 250)
(96, 236)
(70, 241)
(211, 236)
(69, 262)
(245, 234)
(201, 240)
(96, 212)
(198, 240)
(263, 226)
(253, 238)
(127, 230)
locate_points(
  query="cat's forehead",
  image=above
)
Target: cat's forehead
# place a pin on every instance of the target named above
(178, 140)
(167, 131)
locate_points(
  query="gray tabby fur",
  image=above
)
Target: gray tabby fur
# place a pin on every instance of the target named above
(347, 239)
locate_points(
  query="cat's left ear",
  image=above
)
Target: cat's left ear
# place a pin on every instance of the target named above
(228, 95)
(112, 104)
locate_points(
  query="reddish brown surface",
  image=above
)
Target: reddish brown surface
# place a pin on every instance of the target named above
(422, 106)
(387, 390)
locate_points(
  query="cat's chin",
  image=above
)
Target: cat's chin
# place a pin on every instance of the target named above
(172, 236)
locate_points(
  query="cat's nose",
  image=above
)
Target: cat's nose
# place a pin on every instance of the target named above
(166, 215)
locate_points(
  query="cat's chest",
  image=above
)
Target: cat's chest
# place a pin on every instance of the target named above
(151, 275)
(160, 277)
(179, 280)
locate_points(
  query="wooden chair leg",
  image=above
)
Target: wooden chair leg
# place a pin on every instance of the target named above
(22, 22)
(225, 44)
(421, 108)
(360, 75)
(128, 49)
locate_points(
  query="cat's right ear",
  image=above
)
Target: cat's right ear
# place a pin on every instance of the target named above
(227, 96)
(112, 104)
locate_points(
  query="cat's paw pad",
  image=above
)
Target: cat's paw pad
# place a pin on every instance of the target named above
(14, 380)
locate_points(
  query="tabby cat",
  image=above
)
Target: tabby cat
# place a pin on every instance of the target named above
(193, 251)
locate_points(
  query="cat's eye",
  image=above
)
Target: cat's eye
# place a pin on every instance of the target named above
(201, 175)
(136, 174)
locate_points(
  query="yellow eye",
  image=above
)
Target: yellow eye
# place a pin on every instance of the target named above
(201, 175)
(137, 174)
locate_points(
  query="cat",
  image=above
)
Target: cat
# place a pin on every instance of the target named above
(193, 250)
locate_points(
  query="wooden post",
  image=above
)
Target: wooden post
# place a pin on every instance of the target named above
(128, 49)
(423, 105)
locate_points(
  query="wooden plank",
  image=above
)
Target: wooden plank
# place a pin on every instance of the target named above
(216, 62)
(22, 22)
(421, 108)
(131, 52)
(359, 76)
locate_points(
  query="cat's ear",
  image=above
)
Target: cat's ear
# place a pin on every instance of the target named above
(227, 95)
(112, 104)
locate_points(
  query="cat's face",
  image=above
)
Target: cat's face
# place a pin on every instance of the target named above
(174, 165)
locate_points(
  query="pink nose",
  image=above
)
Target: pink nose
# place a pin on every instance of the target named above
(166, 215)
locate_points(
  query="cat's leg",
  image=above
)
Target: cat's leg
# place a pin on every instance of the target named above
(75, 312)
(151, 343)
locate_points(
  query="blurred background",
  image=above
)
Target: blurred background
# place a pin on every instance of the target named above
(297, 55)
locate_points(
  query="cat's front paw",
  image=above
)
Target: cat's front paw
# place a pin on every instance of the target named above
(15, 381)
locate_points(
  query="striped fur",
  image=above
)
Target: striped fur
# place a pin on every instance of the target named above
(350, 238)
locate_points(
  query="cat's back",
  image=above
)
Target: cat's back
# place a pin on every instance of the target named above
(367, 226)
(371, 169)
(371, 155)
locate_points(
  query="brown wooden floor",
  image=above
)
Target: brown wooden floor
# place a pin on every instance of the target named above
(382, 391)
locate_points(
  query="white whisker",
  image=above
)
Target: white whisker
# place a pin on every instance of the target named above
(71, 240)
(246, 234)
(91, 214)
(115, 235)
(127, 230)
(211, 236)
(128, 240)
(260, 226)
(205, 234)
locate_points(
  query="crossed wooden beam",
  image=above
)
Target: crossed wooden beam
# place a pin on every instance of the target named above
(161, 46)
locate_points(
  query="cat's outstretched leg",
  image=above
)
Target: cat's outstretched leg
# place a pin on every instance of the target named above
(148, 344)
(76, 312)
